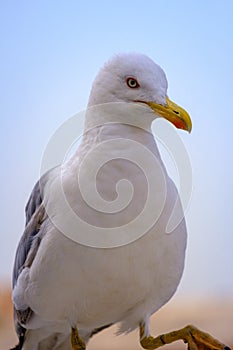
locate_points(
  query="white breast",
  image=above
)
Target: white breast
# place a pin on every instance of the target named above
(93, 286)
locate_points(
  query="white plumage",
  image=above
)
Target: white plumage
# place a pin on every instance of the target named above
(68, 284)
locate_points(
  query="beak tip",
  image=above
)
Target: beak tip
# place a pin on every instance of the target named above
(190, 128)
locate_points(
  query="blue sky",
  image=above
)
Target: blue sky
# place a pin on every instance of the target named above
(50, 53)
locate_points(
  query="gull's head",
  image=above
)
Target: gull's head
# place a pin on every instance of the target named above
(135, 78)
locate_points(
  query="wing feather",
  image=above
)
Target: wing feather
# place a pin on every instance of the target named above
(28, 247)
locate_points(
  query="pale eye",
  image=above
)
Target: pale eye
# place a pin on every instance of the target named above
(132, 83)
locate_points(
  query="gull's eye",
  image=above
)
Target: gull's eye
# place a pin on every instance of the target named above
(132, 83)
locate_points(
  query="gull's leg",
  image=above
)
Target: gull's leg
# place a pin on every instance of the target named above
(196, 339)
(76, 342)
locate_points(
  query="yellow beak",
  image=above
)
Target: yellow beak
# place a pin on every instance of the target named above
(174, 113)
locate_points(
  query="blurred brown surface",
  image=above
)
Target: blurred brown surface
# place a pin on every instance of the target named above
(212, 315)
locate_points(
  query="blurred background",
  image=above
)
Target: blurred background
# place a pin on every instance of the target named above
(50, 54)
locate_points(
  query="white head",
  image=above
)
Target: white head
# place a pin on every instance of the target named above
(112, 82)
(136, 78)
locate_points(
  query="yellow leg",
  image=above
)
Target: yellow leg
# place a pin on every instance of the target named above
(196, 339)
(76, 342)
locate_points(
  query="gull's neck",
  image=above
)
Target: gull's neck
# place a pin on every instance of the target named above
(135, 114)
(117, 121)
(107, 132)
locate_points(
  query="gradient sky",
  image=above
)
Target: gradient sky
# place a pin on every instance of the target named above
(50, 53)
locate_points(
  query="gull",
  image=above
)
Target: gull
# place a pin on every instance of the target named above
(86, 263)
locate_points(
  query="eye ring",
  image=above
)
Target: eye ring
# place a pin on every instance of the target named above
(132, 83)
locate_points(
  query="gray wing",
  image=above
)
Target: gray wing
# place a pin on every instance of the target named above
(35, 215)
(28, 247)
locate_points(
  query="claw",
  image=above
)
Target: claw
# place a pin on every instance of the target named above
(195, 338)
(204, 340)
